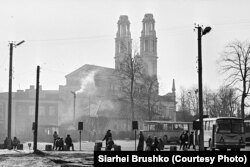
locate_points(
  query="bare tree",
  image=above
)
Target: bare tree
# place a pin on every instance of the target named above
(129, 74)
(148, 93)
(214, 107)
(184, 105)
(228, 101)
(235, 63)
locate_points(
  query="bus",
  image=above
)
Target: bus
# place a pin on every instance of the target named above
(224, 133)
(168, 131)
(247, 131)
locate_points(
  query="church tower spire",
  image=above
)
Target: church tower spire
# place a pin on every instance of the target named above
(123, 41)
(148, 45)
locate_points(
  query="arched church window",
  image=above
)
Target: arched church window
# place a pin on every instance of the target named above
(146, 45)
(153, 46)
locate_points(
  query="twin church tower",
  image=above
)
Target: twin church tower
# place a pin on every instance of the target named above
(148, 43)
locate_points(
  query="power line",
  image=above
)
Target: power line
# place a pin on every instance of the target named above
(73, 38)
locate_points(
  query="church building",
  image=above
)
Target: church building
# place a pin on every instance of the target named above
(99, 93)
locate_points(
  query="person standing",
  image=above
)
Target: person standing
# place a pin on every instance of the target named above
(107, 136)
(6, 143)
(110, 144)
(182, 140)
(69, 143)
(149, 143)
(55, 136)
(140, 146)
(191, 140)
(155, 144)
(186, 140)
(161, 144)
(16, 142)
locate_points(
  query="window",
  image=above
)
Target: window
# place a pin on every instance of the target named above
(152, 127)
(165, 126)
(247, 126)
(146, 45)
(146, 127)
(237, 126)
(224, 126)
(185, 126)
(204, 125)
(159, 127)
(153, 46)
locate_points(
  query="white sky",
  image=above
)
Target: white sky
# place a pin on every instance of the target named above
(63, 35)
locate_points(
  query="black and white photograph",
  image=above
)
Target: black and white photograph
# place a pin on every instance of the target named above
(124, 81)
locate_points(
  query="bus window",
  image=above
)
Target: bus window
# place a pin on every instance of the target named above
(237, 126)
(159, 127)
(170, 126)
(180, 126)
(176, 126)
(185, 126)
(146, 127)
(208, 125)
(152, 127)
(224, 126)
(204, 125)
(165, 126)
(247, 126)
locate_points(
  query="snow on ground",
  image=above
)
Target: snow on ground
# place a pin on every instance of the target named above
(25, 157)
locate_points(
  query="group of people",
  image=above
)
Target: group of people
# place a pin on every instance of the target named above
(186, 140)
(151, 144)
(13, 143)
(59, 143)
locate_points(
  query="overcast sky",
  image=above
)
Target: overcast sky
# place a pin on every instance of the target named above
(63, 35)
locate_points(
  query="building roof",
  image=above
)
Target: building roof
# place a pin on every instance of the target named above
(89, 68)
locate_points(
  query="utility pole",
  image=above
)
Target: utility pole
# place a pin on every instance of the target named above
(201, 147)
(201, 32)
(36, 110)
(10, 92)
(10, 96)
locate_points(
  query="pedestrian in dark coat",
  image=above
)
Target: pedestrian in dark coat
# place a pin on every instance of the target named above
(69, 143)
(182, 140)
(55, 136)
(6, 143)
(140, 146)
(107, 136)
(161, 144)
(186, 140)
(191, 140)
(16, 142)
(149, 143)
(110, 144)
(155, 144)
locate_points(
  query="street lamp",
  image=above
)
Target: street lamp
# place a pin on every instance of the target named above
(201, 32)
(12, 44)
